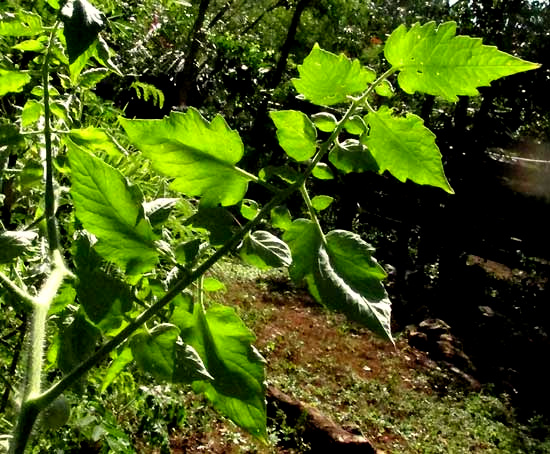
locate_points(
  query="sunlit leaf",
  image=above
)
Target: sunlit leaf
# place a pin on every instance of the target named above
(433, 60)
(95, 139)
(327, 79)
(321, 202)
(296, 133)
(225, 345)
(32, 111)
(23, 23)
(324, 121)
(211, 284)
(199, 155)
(304, 240)
(406, 148)
(13, 81)
(112, 210)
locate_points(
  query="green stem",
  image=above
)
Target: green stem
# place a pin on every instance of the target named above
(24, 296)
(53, 236)
(312, 212)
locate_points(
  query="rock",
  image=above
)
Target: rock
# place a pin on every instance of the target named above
(321, 433)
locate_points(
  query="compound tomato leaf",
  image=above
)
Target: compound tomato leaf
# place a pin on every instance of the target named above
(348, 280)
(406, 148)
(327, 79)
(199, 155)
(112, 210)
(162, 353)
(433, 60)
(264, 250)
(296, 133)
(225, 345)
(82, 24)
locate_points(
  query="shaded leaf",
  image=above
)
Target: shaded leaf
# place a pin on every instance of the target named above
(406, 148)
(327, 79)
(199, 155)
(104, 298)
(76, 342)
(218, 222)
(352, 156)
(159, 210)
(161, 353)
(304, 239)
(264, 250)
(14, 243)
(433, 60)
(112, 210)
(82, 24)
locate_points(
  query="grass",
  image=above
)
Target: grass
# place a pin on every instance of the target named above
(399, 399)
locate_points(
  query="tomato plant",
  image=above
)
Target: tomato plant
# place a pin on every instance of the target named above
(114, 264)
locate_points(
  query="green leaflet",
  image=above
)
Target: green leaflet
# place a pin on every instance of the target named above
(124, 358)
(199, 155)
(32, 111)
(348, 279)
(76, 342)
(83, 22)
(352, 156)
(296, 133)
(15, 243)
(321, 202)
(23, 23)
(104, 298)
(95, 139)
(406, 148)
(264, 250)
(341, 274)
(324, 121)
(327, 79)
(13, 81)
(322, 171)
(162, 353)
(433, 60)
(304, 241)
(225, 345)
(112, 210)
